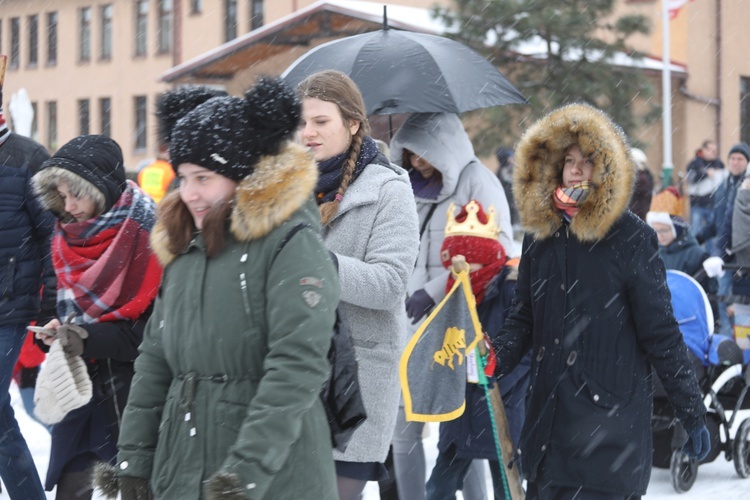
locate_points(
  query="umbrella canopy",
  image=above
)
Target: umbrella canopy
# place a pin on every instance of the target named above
(406, 72)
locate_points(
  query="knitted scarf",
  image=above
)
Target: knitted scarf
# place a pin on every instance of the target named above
(4, 131)
(569, 199)
(330, 171)
(105, 268)
(427, 189)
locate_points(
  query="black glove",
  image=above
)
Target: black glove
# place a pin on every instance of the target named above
(698, 444)
(418, 304)
(134, 488)
(71, 339)
(223, 486)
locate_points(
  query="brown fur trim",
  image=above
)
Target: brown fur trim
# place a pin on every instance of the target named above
(278, 187)
(224, 486)
(45, 184)
(539, 159)
(104, 479)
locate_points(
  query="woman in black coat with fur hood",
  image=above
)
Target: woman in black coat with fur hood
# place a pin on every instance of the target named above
(593, 306)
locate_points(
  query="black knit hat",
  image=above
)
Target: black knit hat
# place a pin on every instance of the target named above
(230, 134)
(98, 160)
(741, 148)
(174, 104)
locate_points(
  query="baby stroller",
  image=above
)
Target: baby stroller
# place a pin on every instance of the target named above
(724, 381)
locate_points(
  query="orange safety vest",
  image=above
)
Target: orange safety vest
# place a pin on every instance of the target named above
(155, 179)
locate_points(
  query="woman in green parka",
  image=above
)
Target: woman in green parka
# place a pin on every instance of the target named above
(225, 399)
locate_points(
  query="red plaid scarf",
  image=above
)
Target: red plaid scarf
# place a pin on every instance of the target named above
(105, 268)
(569, 199)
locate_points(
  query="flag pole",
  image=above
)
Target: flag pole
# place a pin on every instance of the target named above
(497, 410)
(666, 90)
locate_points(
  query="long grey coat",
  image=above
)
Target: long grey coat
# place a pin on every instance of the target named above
(440, 139)
(374, 236)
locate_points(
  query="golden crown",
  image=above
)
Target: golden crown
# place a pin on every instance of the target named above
(472, 226)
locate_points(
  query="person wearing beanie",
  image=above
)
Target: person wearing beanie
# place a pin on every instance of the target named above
(721, 226)
(158, 177)
(678, 248)
(25, 269)
(443, 169)
(226, 401)
(107, 279)
(370, 227)
(592, 305)
(473, 233)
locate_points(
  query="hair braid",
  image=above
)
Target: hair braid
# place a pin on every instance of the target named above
(329, 209)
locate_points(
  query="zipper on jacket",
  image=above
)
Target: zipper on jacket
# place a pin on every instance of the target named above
(10, 270)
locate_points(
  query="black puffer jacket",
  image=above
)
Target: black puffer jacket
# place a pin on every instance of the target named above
(25, 232)
(593, 305)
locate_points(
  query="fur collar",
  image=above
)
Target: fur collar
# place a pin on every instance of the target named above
(279, 186)
(538, 172)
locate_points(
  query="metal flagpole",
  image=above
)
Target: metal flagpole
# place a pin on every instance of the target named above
(666, 90)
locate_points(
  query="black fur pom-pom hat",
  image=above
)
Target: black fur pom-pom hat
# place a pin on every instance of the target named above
(229, 135)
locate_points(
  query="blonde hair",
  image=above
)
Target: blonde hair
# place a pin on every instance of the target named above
(337, 88)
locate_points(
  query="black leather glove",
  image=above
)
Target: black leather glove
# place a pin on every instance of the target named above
(223, 486)
(71, 339)
(134, 488)
(418, 304)
(698, 444)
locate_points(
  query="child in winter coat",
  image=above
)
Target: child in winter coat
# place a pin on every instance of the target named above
(470, 436)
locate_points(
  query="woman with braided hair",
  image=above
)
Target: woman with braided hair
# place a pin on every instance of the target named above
(370, 227)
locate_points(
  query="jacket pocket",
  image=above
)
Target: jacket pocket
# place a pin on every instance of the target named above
(609, 397)
(167, 450)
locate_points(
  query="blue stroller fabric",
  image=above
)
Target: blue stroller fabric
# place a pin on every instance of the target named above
(694, 316)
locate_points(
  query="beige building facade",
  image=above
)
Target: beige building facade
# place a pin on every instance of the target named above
(97, 66)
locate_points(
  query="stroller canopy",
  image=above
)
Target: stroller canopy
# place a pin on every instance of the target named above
(693, 314)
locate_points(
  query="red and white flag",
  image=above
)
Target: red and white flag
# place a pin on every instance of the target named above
(674, 7)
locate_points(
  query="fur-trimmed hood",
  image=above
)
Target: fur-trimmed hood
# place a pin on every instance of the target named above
(540, 156)
(278, 186)
(45, 184)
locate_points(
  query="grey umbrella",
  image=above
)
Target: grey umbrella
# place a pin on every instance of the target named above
(407, 72)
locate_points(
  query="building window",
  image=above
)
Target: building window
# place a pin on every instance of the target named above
(106, 31)
(141, 27)
(164, 36)
(15, 43)
(34, 122)
(84, 116)
(33, 40)
(256, 14)
(84, 34)
(230, 20)
(745, 109)
(52, 38)
(140, 122)
(52, 125)
(105, 116)
(196, 6)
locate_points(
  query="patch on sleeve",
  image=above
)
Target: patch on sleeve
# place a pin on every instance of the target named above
(311, 297)
(311, 281)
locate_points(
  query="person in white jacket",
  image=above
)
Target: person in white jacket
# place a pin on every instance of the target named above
(443, 169)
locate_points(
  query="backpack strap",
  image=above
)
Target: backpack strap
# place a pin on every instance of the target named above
(286, 239)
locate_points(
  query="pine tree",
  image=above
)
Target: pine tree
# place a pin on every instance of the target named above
(555, 52)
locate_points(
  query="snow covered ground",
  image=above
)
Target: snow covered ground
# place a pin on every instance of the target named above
(715, 480)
